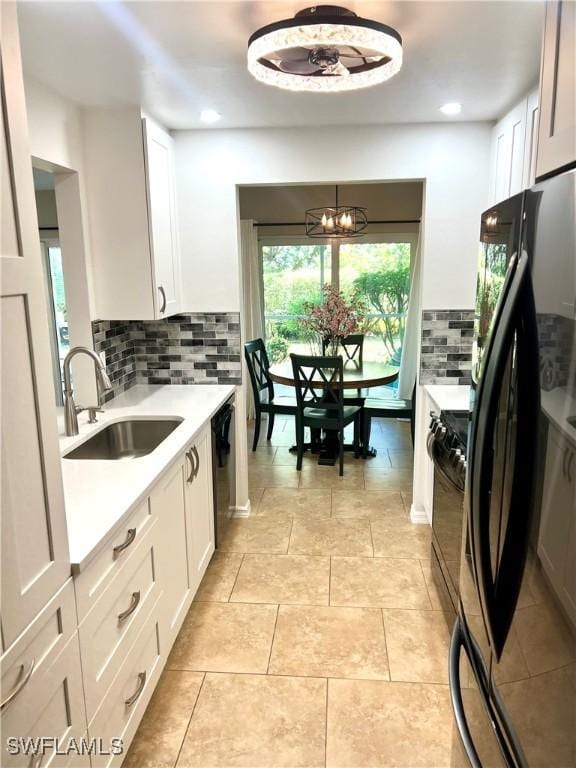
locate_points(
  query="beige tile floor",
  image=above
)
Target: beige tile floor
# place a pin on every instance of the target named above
(317, 637)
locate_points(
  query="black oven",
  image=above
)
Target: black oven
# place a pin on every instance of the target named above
(447, 440)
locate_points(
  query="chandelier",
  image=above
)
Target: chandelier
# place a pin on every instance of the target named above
(324, 49)
(340, 221)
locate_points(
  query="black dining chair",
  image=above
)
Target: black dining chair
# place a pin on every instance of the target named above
(258, 370)
(353, 348)
(320, 402)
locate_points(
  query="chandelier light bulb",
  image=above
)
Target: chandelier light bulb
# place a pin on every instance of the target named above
(330, 223)
(324, 220)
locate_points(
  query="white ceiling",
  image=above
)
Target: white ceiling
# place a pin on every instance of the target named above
(176, 58)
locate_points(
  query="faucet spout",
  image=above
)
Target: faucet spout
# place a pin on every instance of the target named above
(102, 381)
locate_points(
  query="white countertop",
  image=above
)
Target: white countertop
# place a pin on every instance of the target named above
(449, 397)
(99, 495)
(559, 406)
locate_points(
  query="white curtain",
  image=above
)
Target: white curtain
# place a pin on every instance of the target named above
(252, 297)
(409, 362)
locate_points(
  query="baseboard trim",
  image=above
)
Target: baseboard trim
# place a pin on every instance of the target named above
(418, 516)
(242, 511)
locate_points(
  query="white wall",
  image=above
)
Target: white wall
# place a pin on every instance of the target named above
(452, 159)
(56, 142)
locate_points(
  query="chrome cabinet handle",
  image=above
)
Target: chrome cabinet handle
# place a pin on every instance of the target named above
(131, 608)
(23, 679)
(190, 458)
(141, 683)
(197, 467)
(163, 294)
(119, 548)
(569, 466)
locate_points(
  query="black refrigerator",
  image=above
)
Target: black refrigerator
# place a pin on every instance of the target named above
(513, 647)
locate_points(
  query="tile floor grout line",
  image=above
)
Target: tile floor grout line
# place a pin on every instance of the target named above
(371, 537)
(236, 577)
(330, 581)
(190, 720)
(426, 585)
(386, 644)
(273, 638)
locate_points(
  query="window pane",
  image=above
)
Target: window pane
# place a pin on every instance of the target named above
(380, 272)
(292, 275)
(59, 305)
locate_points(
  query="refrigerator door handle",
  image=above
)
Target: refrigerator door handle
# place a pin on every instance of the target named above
(517, 321)
(456, 645)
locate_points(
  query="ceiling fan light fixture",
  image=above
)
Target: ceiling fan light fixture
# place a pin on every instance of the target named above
(324, 49)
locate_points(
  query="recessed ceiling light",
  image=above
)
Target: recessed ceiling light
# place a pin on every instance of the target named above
(324, 49)
(210, 116)
(452, 108)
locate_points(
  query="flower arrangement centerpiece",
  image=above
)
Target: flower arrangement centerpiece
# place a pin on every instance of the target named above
(331, 320)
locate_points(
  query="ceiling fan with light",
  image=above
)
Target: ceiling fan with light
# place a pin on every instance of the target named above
(325, 48)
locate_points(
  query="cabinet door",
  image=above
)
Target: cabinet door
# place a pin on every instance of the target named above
(168, 505)
(51, 706)
(200, 506)
(160, 188)
(557, 132)
(531, 141)
(508, 154)
(35, 561)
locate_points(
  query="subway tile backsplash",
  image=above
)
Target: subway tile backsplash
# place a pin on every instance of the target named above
(446, 349)
(199, 348)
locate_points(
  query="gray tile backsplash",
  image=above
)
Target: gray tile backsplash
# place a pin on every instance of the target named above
(446, 349)
(200, 348)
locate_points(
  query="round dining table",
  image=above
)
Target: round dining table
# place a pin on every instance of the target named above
(355, 377)
(370, 374)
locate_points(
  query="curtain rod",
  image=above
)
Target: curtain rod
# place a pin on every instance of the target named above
(303, 224)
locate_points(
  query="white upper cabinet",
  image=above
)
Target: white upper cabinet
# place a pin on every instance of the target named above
(160, 189)
(35, 560)
(513, 150)
(135, 254)
(557, 134)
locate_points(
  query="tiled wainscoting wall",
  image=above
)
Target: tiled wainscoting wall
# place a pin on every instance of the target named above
(184, 349)
(446, 352)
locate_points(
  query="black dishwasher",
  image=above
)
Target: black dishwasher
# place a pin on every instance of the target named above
(223, 469)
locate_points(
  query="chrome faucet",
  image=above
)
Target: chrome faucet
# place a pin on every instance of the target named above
(71, 410)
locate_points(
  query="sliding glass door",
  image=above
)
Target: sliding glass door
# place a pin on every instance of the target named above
(377, 267)
(293, 273)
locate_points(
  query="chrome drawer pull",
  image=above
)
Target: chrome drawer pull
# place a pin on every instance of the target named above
(141, 683)
(23, 679)
(191, 460)
(131, 608)
(130, 536)
(197, 467)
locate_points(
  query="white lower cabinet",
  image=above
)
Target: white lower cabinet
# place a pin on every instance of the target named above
(557, 535)
(125, 702)
(110, 629)
(200, 505)
(168, 503)
(87, 665)
(42, 693)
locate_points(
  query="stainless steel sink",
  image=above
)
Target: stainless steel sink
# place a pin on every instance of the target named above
(125, 440)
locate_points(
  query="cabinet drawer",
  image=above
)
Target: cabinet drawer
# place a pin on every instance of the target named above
(110, 560)
(126, 699)
(51, 706)
(38, 645)
(113, 624)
